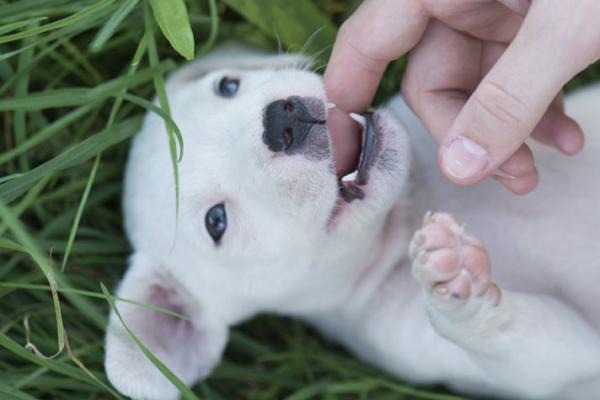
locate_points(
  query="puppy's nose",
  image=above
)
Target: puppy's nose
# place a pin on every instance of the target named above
(287, 123)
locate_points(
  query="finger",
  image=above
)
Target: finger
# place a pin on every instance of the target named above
(437, 90)
(521, 185)
(568, 136)
(483, 19)
(555, 128)
(507, 105)
(558, 130)
(518, 6)
(345, 138)
(379, 31)
(521, 163)
(518, 174)
(438, 94)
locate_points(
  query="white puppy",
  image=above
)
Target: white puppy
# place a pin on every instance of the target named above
(263, 226)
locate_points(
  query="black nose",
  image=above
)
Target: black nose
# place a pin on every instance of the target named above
(287, 123)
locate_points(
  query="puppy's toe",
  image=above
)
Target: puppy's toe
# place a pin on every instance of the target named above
(452, 266)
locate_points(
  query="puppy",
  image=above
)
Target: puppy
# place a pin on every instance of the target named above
(264, 225)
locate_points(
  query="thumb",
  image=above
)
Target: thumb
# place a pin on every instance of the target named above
(510, 101)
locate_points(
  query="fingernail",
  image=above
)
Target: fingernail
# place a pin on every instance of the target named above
(464, 158)
(502, 174)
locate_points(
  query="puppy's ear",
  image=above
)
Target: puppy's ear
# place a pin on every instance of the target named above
(188, 348)
(235, 55)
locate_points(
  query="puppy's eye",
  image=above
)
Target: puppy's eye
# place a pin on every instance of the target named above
(228, 87)
(216, 222)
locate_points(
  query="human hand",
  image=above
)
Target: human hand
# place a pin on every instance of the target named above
(483, 75)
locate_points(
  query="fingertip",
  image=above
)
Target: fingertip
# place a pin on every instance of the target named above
(518, 174)
(520, 185)
(568, 137)
(521, 163)
(463, 161)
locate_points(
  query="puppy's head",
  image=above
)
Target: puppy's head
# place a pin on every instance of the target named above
(263, 223)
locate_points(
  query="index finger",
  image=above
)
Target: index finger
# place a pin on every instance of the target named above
(378, 32)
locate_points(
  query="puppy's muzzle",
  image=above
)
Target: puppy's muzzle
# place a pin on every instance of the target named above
(289, 122)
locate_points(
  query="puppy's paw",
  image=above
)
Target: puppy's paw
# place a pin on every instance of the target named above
(452, 267)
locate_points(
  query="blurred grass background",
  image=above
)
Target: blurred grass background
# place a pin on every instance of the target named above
(74, 80)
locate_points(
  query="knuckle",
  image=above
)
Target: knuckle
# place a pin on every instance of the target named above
(368, 56)
(499, 106)
(352, 36)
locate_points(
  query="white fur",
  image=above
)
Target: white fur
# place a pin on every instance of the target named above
(351, 277)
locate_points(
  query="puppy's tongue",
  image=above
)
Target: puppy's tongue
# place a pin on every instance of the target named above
(345, 140)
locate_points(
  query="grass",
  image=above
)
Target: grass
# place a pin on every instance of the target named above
(75, 79)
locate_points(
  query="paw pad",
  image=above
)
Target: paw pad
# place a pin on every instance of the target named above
(451, 265)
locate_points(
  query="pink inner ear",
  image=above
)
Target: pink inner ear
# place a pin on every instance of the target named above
(172, 330)
(175, 341)
(189, 348)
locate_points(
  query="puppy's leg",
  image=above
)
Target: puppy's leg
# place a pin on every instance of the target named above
(533, 344)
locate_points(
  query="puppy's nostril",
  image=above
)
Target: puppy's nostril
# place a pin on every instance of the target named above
(288, 106)
(288, 136)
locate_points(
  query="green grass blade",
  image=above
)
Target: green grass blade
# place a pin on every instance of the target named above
(46, 133)
(214, 27)
(19, 24)
(172, 18)
(77, 17)
(310, 391)
(112, 24)
(28, 199)
(21, 89)
(9, 393)
(86, 293)
(10, 245)
(72, 156)
(27, 242)
(78, 96)
(148, 105)
(113, 112)
(292, 22)
(161, 91)
(59, 367)
(86, 194)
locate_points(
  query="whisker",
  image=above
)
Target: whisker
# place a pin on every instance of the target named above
(311, 39)
(278, 38)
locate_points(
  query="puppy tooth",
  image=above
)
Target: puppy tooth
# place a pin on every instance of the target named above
(441, 290)
(359, 118)
(330, 105)
(350, 177)
(427, 218)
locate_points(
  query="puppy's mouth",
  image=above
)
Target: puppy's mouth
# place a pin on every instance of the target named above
(350, 183)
